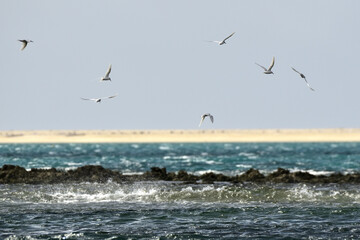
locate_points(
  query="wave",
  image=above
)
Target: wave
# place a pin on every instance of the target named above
(149, 192)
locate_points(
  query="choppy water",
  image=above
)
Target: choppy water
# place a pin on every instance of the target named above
(168, 210)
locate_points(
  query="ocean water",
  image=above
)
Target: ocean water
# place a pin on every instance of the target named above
(173, 210)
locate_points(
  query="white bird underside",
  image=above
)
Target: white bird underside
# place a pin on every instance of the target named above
(303, 76)
(268, 70)
(204, 116)
(98, 99)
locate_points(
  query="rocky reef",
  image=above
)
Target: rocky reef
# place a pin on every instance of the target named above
(10, 174)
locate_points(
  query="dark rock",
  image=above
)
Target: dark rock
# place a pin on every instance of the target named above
(251, 175)
(156, 173)
(184, 176)
(10, 174)
(281, 175)
(211, 177)
(303, 176)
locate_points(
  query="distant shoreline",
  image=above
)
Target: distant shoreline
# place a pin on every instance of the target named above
(180, 136)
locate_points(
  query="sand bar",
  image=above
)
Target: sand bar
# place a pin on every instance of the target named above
(157, 136)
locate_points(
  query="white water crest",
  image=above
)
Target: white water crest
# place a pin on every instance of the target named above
(165, 192)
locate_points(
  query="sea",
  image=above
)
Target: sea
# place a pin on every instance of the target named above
(177, 210)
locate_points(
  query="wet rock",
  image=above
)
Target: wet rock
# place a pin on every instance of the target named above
(302, 176)
(10, 174)
(281, 175)
(211, 177)
(156, 173)
(185, 177)
(91, 173)
(251, 175)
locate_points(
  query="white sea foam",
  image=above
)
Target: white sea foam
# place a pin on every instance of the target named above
(103, 194)
(150, 192)
(248, 155)
(132, 173)
(201, 172)
(74, 164)
(164, 147)
(313, 172)
(244, 166)
(70, 168)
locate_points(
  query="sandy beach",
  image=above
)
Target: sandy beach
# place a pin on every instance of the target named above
(146, 136)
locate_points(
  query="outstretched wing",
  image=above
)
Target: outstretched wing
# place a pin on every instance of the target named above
(272, 64)
(111, 96)
(89, 99)
(108, 71)
(211, 118)
(295, 70)
(309, 85)
(261, 66)
(213, 41)
(24, 44)
(202, 119)
(229, 36)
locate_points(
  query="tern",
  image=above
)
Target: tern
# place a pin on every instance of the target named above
(303, 76)
(98, 100)
(223, 41)
(24, 43)
(107, 78)
(268, 71)
(206, 115)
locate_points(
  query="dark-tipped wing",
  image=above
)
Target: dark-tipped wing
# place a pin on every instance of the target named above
(211, 118)
(261, 66)
(229, 36)
(24, 44)
(111, 96)
(295, 70)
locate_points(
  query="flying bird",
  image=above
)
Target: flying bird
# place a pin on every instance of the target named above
(268, 71)
(24, 43)
(303, 76)
(98, 100)
(206, 115)
(107, 77)
(223, 41)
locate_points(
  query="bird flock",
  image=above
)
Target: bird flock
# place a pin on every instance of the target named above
(211, 117)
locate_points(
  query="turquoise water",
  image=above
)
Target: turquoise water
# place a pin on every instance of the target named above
(228, 158)
(172, 210)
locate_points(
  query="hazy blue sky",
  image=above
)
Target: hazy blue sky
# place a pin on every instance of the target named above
(165, 72)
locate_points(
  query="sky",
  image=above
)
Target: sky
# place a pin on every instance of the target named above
(165, 71)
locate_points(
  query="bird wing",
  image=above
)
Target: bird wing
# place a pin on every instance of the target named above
(90, 99)
(202, 119)
(108, 71)
(213, 41)
(24, 44)
(211, 118)
(111, 96)
(295, 70)
(229, 36)
(309, 85)
(261, 66)
(272, 64)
